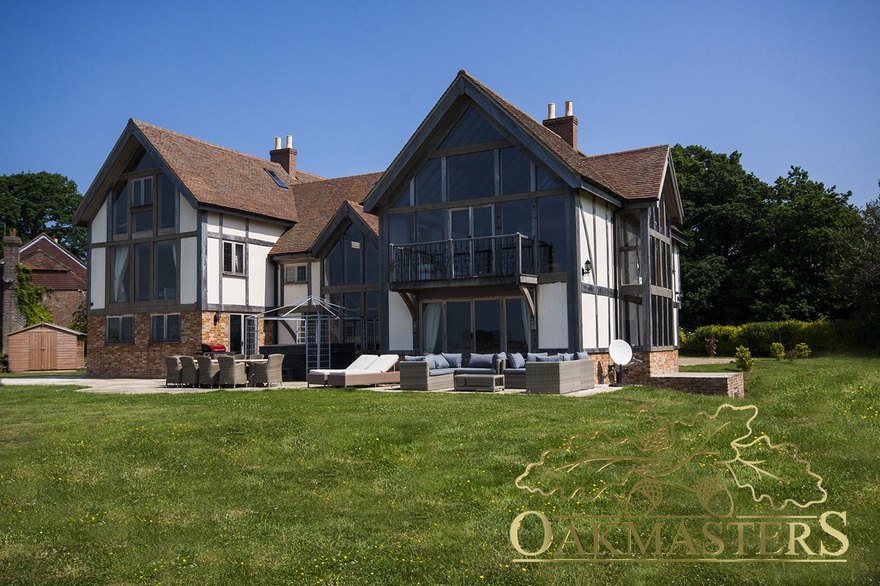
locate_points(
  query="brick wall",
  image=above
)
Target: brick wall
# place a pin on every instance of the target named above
(145, 360)
(63, 305)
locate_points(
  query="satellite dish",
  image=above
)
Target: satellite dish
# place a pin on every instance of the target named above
(621, 353)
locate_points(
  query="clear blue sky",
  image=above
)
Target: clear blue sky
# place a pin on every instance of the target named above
(784, 83)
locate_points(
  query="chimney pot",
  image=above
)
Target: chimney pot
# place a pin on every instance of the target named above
(568, 108)
(551, 111)
(277, 142)
(289, 141)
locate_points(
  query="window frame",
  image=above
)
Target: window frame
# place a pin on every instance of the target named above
(292, 274)
(122, 321)
(164, 339)
(233, 247)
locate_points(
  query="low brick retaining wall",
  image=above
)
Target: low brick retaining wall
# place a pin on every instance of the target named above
(702, 383)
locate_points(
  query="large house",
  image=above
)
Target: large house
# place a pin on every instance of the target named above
(489, 231)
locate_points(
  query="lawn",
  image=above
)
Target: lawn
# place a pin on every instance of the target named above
(349, 486)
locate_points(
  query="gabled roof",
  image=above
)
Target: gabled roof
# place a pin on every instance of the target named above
(209, 175)
(52, 326)
(52, 265)
(631, 175)
(318, 202)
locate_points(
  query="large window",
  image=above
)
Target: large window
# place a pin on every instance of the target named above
(120, 329)
(144, 272)
(482, 326)
(165, 328)
(233, 258)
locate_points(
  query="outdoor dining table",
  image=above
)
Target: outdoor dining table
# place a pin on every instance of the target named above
(248, 362)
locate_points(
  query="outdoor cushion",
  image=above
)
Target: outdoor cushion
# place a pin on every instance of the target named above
(474, 371)
(414, 358)
(480, 361)
(440, 361)
(566, 356)
(499, 356)
(514, 370)
(454, 360)
(545, 358)
(581, 355)
(439, 371)
(533, 357)
(517, 360)
(384, 363)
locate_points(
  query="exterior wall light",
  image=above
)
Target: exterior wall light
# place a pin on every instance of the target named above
(588, 267)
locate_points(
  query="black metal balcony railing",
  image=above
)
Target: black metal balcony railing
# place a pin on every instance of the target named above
(511, 255)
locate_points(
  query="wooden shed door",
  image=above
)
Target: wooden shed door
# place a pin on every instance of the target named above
(42, 351)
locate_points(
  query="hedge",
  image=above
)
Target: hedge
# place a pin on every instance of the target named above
(821, 336)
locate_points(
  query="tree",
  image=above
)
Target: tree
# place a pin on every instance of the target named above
(42, 202)
(724, 211)
(855, 275)
(801, 236)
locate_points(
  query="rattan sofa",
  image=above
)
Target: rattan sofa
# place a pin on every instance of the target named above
(424, 373)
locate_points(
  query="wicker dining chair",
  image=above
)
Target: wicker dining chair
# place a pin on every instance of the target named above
(173, 371)
(267, 373)
(209, 371)
(189, 371)
(232, 372)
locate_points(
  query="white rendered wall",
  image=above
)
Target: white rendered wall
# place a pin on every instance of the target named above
(99, 224)
(98, 269)
(212, 265)
(189, 216)
(552, 316)
(257, 260)
(189, 258)
(400, 325)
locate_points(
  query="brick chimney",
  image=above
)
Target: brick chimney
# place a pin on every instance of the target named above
(13, 320)
(286, 157)
(566, 127)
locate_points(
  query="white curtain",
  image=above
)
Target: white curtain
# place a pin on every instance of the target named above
(431, 327)
(527, 322)
(120, 268)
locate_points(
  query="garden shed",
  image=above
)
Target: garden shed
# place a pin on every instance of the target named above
(46, 347)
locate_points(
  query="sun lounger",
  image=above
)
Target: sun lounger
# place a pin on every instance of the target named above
(380, 372)
(319, 377)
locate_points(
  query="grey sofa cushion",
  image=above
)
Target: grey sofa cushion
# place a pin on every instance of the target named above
(441, 371)
(546, 358)
(581, 355)
(454, 360)
(533, 356)
(469, 370)
(440, 361)
(480, 361)
(516, 360)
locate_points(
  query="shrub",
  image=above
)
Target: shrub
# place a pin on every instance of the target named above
(777, 350)
(744, 360)
(802, 350)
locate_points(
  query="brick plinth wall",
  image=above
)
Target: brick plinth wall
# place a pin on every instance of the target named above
(145, 360)
(728, 384)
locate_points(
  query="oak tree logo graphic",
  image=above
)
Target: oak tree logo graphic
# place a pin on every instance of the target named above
(704, 457)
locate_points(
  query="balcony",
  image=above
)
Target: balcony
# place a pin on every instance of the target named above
(492, 260)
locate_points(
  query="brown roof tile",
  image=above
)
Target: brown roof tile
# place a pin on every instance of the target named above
(52, 266)
(217, 176)
(636, 174)
(316, 204)
(631, 174)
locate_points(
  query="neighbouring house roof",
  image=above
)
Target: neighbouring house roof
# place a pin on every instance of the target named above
(52, 265)
(210, 175)
(318, 202)
(629, 175)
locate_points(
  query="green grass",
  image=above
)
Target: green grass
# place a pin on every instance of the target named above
(362, 487)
